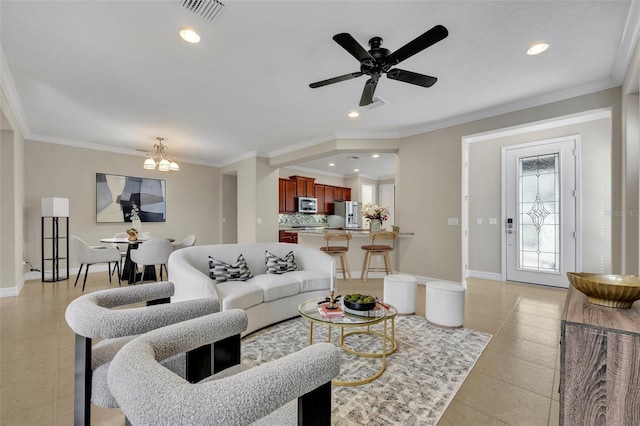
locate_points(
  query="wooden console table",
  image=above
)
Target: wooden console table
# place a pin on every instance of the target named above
(599, 363)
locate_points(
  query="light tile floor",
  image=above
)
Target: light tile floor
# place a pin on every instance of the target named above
(514, 382)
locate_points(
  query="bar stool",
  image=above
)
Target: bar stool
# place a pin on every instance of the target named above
(339, 250)
(377, 249)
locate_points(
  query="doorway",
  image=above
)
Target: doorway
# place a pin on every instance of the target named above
(539, 206)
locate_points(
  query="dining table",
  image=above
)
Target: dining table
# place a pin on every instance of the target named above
(129, 269)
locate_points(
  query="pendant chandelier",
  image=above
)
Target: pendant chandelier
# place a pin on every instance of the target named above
(160, 159)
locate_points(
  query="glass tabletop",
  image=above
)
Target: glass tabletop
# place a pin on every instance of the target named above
(309, 309)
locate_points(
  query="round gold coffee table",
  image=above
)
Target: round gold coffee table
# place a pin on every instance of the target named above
(385, 314)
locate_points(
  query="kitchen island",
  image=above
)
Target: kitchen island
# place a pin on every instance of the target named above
(314, 237)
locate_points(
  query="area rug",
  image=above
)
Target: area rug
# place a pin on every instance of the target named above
(420, 379)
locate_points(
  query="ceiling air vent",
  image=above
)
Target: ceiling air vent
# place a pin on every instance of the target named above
(208, 9)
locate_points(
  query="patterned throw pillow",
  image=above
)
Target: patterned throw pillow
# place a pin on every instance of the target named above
(280, 265)
(221, 271)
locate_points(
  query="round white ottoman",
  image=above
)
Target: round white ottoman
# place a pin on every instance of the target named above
(401, 292)
(445, 304)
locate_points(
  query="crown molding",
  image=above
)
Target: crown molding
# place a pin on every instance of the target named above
(108, 148)
(627, 43)
(302, 145)
(573, 92)
(9, 88)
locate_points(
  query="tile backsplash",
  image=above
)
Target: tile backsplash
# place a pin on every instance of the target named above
(302, 219)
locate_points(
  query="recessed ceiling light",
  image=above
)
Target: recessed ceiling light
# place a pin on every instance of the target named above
(375, 156)
(537, 49)
(356, 170)
(354, 114)
(189, 35)
(332, 164)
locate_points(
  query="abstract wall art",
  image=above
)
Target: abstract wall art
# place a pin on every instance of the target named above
(117, 195)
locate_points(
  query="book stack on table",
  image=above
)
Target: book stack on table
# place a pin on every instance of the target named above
(325, 312)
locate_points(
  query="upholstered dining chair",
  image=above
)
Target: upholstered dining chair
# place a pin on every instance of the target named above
(337, 244)
(90, 316)
(379, 246)
(294, 389)
(152, 252)
(188, 241)
(88, 255)
(122, 248)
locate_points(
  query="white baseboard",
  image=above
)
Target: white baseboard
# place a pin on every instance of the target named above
(494, 276)
(36, 275)
(422, 280)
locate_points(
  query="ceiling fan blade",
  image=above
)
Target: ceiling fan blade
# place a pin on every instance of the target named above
(350, 44)
(418, 44)
(335, 79)
(369, 89)
(412, 77)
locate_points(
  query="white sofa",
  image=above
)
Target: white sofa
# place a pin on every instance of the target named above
(267, 298)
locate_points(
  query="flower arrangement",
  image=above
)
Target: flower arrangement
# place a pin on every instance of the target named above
(133, 214)
(373, 211)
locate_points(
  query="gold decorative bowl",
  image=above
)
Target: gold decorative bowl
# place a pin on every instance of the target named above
(613, 291)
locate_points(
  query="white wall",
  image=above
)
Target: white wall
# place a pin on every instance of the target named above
(229, 209)
(64, 171)
(485, 195)
(429, 184)
(12, 190)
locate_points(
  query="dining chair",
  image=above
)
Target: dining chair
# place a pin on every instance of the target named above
(188, 241)
(378, 249)
(122, 248)
(152, 252)
(341, 250)
(89, 255)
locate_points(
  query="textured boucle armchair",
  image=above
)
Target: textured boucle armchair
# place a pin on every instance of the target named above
(150, 394)
(90, 316)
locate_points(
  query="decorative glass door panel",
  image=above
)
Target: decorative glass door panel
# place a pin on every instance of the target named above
(540, 212)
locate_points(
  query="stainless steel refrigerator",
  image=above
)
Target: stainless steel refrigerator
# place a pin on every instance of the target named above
(351, 211)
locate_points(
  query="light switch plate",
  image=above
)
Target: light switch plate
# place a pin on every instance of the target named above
(453, 221)
(478, 221)
(492, 221)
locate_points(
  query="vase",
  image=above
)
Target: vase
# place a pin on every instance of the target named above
(137, 225)
(374, 225)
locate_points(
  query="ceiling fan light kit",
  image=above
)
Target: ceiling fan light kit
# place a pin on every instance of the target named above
(160, 159)
(378, 61)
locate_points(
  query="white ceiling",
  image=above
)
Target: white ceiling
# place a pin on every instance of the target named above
(115, 75)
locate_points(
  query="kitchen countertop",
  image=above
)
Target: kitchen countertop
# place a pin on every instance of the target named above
(320, 230)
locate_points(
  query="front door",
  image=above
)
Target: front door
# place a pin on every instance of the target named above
(540, 212)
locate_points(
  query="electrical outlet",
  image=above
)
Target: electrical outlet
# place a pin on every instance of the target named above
(492, 221)
(453, 221)
(478, 221)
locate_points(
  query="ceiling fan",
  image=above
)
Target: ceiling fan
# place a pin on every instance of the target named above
(379, 60)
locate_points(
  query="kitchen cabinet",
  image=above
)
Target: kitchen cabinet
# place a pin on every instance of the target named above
(302, 186)
(287, 196)
(320, 190)
(599, 363)
(329, 192)
(305, 186)
(288, 237)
